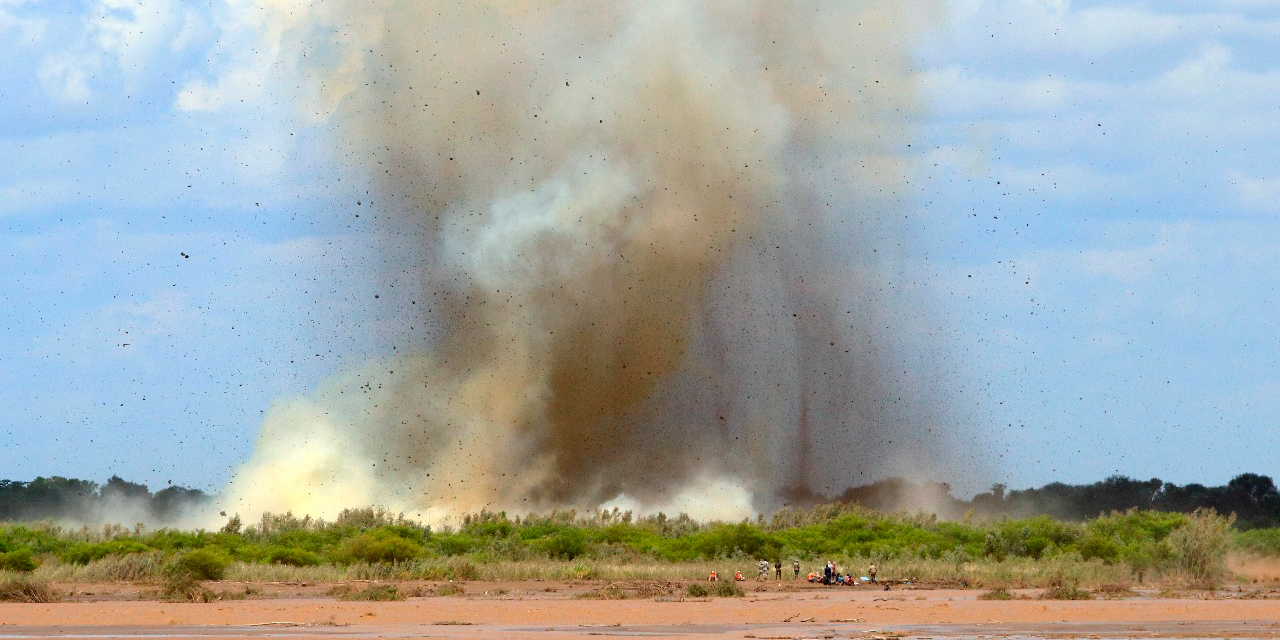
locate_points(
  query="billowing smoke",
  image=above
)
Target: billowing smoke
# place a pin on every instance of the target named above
(655, 255)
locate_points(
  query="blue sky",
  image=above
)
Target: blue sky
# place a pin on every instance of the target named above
(1095, 210)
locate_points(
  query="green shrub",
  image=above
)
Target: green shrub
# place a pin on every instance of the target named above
(20, 560)
(84, 553)
(1030, 538)
(456, 544)
(997, 594)
(173, 540)
(1097, 547)
(697, 590)
(730, 540)
(201, 564)
(38, 540)
(1263, 542)
(450, 590)
(567, 543)
(292, 556)
(727, 590)
(376, 547)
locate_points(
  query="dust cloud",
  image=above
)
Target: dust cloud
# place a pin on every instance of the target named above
(656, 249)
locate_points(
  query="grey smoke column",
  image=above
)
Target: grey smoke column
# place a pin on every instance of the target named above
(647, 230)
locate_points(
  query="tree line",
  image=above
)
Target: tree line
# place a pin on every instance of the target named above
(1252, 497)
(69, 499)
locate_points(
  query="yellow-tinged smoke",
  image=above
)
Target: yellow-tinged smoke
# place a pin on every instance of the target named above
(644, 226)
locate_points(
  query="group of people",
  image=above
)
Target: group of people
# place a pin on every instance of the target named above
(830, 574)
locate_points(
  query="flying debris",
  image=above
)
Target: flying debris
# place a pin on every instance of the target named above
(679, 309)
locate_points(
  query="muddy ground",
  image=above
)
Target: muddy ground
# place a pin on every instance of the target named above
(552, 611)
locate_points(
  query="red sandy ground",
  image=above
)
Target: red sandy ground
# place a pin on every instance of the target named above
(554, 610)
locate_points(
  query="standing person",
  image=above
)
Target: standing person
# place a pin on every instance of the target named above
(762, 570)
(795, 568)
(871, 572)
(826, 573)
(777, 568)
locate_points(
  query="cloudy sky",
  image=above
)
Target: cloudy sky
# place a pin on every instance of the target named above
(1095, 213)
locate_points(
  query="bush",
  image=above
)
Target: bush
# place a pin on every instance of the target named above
(450, 590)
(377, 546)
(20, 560)
(1065, 592)
(84, 553)
(1200, 546)
(727, 590)
(456, 544)
(1097, 547)
(172, 540)
(39, 539)
(566, 543)
(1263, 542)
(26, 590)
(132, 567)
(1031, 538)
(201, 564)
(184, 587)
(1061, 588)
(729, 540)
(697, 590)
(291, 556)
(997, 594)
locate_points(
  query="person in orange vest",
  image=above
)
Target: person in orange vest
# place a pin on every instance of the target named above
(738, 577)
(712, 577)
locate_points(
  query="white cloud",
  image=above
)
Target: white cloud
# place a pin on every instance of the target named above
(1256, 194)
(1187, 126)
(242, 62)
(130, 30)
(112, 43)
(1132, 265)
(234, 88)
(29, 31)
(1210, 78)
(66, 76)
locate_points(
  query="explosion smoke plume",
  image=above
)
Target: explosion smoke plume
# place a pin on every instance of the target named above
(647, 226)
